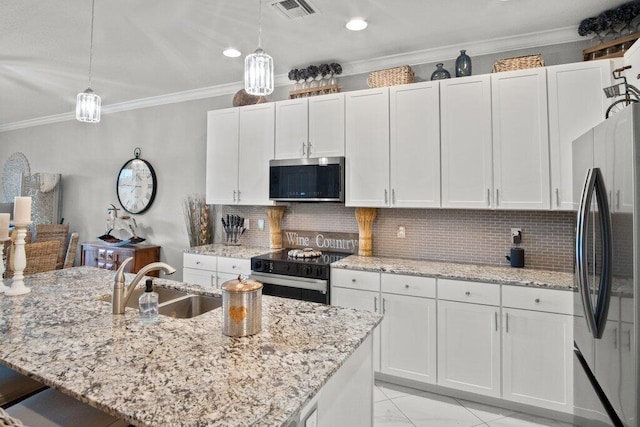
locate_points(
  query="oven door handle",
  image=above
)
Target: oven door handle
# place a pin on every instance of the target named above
(291, 281)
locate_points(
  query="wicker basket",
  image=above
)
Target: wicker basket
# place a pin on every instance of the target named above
(518, 63)
(390, 77)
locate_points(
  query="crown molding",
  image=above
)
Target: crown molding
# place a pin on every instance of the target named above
(483, 47)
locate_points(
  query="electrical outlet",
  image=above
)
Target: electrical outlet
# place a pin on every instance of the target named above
(401, 232)
(261, 224)
(516, 235)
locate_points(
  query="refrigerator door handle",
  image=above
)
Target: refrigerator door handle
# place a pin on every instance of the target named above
(596, 317)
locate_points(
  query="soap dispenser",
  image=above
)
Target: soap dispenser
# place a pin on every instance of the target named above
(148, 303)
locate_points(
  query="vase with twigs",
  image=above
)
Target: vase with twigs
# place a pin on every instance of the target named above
(199, 219)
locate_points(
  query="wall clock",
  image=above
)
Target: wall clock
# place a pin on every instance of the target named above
(136, 184)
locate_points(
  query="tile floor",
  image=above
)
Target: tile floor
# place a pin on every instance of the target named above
(401, 406)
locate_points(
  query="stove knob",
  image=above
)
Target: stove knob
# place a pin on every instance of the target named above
(257, 265)
(319, 271)
(308, 270)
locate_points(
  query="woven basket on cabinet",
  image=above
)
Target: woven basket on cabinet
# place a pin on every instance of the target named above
(518, 63)
(390, 77)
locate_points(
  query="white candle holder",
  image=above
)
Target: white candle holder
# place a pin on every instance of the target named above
(19, 262)
(3, 287)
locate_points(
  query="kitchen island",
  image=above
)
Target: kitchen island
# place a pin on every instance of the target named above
(185, 371)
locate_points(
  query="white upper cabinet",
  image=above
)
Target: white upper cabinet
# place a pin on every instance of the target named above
(310, 127)
(576, 104)
(465, 112)
(255, 141)
(367, 148)
(222, 156)
(239, 147)
(520, 139)
(415, 145)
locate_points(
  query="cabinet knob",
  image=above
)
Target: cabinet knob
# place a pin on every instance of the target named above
(233, 266)
(197, 262)
(406, 286)
(353, 280)
(467, 293)
(537, 300)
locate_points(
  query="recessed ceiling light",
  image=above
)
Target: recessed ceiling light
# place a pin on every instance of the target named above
(231, 52)
(357, 24)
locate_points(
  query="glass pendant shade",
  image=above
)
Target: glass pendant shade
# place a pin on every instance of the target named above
(88, 107)
(258, 73)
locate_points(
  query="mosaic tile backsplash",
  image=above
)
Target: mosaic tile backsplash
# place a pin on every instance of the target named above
(476, 236)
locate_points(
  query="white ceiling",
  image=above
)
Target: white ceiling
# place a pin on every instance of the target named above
(147, 48)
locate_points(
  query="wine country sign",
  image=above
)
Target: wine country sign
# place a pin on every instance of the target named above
(323, 241)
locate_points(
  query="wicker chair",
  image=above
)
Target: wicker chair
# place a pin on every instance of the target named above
(59, 232)
(71, 250)
(41, 256)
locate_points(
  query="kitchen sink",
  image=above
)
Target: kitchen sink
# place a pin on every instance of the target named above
(164, 295)
(175, 303)
(189, 306)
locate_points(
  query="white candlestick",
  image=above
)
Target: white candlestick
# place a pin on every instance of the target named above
(4, 226)
(22, 210)
(3, 287)
(19, 262)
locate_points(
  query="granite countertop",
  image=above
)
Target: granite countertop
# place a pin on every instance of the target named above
(219, 249)
(461, 271)
(179, 371)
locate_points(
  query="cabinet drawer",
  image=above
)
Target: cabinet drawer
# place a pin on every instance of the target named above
(538, 299)
(201, 262)
(355, 279)
(408, 285)
(234, 265)
(474, 292)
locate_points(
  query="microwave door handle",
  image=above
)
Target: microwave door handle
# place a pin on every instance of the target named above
(606, 239)
(582, 228)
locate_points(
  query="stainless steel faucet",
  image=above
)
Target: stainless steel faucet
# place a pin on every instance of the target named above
(122, 293)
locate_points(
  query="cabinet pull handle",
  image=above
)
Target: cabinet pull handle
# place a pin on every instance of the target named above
(406, 286)
(233, 267)
(393, 196)
(384, 305)
(496, 319)
(197, 262)
(375, 304)
(238, 195)
(615, 338)
(537, 300)
(497, 197)
(557, 197)
(507, 322)
(386, 196)
(234, 195)
(488, 197)
(618, 199)
(353, 280)
(212, 276)
(309, 148)
(629, 339)
(467, 293)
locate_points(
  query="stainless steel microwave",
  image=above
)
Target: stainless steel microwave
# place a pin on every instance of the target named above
(307, 180)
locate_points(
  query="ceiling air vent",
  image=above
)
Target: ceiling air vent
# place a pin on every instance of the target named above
(294, 9)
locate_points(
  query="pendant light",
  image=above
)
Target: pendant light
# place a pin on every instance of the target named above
(87, 102)
(258, 66)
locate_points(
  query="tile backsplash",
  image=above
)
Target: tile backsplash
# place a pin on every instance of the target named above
(477, 236)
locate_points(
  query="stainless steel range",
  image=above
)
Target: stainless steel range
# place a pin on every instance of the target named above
(301, 274)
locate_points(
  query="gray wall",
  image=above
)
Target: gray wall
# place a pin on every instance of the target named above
(172, 139)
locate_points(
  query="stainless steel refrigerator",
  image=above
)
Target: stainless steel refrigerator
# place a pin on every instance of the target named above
(606, 181)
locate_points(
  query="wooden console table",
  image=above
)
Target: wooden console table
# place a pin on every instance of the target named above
(98, 254)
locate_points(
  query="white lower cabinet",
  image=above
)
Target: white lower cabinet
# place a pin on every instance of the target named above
(538, 348)
(212, 271)
(408, 341)
(469, 347)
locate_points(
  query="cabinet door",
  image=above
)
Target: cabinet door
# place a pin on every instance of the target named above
(326, 126)
(256, 139)
(576, 104)
(465, 120)
(415, 145)
(408, 344)
(292, 117)
(520, 139)
(469, 347)
(538, 359)
(204, 278)
(89, 256)
(222, 156)
(621, 198)
(360, 300)
(367, 148)
(628, 362)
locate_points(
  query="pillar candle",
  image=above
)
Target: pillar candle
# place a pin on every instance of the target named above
(4, 226)
(22, 210)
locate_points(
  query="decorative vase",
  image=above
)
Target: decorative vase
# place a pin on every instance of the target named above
(440, 73)
(463, 64)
